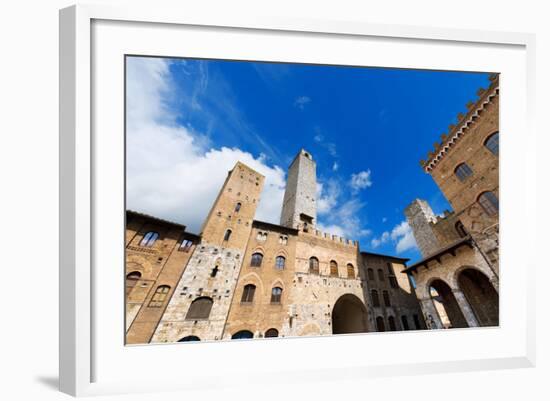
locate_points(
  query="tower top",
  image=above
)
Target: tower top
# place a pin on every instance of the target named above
(299, 204)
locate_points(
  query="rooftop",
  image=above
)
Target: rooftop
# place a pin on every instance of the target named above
(451, 248)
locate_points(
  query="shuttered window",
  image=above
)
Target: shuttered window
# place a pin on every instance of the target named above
(159, 296)
(200, 309)
(351, 271)
(463, 171)
(489, 203)
(314, 265)
(333, 268)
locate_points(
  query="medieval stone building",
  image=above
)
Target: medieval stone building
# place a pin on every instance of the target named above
(457, 279)
(244, 278)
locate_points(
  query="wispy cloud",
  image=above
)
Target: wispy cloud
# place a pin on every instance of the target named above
(329, 146)
(301, 101)
(167, 162)
(361, 180)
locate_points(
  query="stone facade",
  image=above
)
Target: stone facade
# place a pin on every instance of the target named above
(150, 267)
(457, 280)
(243, 278)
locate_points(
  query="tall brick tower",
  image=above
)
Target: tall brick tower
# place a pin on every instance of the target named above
(299, 204)
(200, 304)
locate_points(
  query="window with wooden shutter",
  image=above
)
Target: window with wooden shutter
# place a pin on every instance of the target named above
(333, 268)
(351, 271)
(489, 203)
(491, 143)
(314, 265)
(463, 171)
(159, 296)
(200, 309)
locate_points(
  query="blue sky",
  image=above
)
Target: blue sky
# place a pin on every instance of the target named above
(188, 121)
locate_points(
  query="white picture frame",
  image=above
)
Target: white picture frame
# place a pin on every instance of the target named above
(84, 356)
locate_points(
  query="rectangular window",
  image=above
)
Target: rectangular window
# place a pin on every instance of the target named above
(393, 282)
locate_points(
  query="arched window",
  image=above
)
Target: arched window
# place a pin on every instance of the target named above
(375, 299)
(159, 296)
(405, 322)
(491, 143)
(227, 235)
(238, 207)
(460, 229)
(386, 297)
(256, 260)
(276, 293)
(314, 265)
(463, 171)
(370, 273)
(188, 338)
(380, 324)
(351, 271)
(390, 268)
(333, 268)
(131, 281)
(200, 309)
(149, 239)
(391, 321)
(248, 293)
(271, 333)
(280, 262)
(380, 274)
(489, 203)
(243, 334)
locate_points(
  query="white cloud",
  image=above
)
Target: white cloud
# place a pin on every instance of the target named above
(401, 235)
(361, 180)
(172, 173)
(327, 196)
(384, 219)
(301, 102)
(335, 166)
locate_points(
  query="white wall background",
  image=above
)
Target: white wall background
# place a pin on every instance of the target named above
(29, 189)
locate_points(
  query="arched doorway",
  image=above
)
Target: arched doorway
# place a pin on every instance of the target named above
(189, 338)
(481, 295)
(446, 306)
(243, 334)
(349, 315)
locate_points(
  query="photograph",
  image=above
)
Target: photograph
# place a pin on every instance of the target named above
(275, 199)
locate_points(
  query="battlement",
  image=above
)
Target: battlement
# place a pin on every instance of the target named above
(331, 237)
(464, 121)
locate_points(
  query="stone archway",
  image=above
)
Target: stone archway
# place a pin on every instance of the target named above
(349, 315)
(445, 303)
(481, 295)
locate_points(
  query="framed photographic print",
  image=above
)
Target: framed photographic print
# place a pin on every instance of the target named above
(308, 199)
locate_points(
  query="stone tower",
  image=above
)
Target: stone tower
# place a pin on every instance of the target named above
(299, 204)
(421, 218)
(211, 274)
